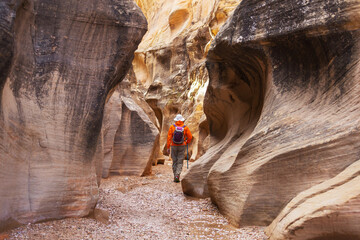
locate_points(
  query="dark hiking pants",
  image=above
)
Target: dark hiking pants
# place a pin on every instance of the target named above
(177, 156)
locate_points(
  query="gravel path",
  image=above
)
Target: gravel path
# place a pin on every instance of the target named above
(151, 207)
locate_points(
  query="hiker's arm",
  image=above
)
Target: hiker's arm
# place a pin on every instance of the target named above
(188, 135)
(169, 137)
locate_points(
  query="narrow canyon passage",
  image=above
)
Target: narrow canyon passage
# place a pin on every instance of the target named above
(152, 207)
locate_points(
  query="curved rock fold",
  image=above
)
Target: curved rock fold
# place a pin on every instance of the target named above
(282, 107)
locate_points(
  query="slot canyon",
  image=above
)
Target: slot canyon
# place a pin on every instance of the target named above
(269, 90)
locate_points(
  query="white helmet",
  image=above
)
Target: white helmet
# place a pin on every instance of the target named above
(179, 118)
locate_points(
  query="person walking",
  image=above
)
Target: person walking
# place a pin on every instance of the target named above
(179, 136)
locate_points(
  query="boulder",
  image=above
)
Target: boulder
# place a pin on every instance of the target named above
(58, 62)
(131, 139)
(282, 107)
(135, 141)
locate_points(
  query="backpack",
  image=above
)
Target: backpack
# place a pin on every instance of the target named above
(178, 137)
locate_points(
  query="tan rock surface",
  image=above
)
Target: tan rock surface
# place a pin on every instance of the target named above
(282, 107)
(329, 210)
(134, 140)
(170, 60)
(111, 123)
(58, 61)
(129, 158)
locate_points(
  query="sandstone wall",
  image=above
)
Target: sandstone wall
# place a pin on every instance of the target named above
(58, 61)
(283, 111)
(131, 139)
(325, 211)
(169, 64)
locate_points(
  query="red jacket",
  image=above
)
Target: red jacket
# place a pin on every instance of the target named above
(187, 135)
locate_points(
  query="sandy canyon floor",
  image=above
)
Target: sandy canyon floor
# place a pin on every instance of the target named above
(152, 207)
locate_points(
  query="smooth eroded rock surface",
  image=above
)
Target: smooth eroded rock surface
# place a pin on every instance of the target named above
(282, 107)
(329, 210)
(132, 139)
(59, 60)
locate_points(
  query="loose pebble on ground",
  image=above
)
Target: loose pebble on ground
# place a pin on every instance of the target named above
(152, 207)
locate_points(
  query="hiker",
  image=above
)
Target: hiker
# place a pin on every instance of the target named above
(179, 136)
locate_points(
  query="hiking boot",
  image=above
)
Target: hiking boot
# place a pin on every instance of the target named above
(177, 179)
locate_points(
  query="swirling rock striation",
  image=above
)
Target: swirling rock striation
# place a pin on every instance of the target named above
(325, 211)
(59, 60)
(283, 107)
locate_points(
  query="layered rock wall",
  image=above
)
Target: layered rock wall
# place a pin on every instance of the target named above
(169, 64)
(59, 60)
(282, 106)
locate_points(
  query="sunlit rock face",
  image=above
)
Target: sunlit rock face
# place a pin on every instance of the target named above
(131, 139)
(59, 60)
(283, 109)
(169, 64)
